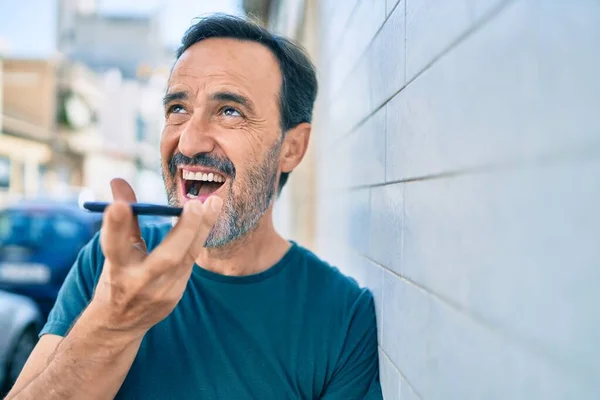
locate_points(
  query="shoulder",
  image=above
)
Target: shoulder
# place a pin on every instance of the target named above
(329, 285)
(343, 311)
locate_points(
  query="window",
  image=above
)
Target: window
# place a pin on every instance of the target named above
(65, 228)
(21, 228)
(4, 172)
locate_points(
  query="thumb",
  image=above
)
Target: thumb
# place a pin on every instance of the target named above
(114, 235)
(183, 244)
(123, 192)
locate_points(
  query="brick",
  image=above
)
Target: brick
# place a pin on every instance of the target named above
(357, 97)
(357, 216)
(360, 156)
(397, 130)
(407, 392)
(335, 163)
(479, 9)
(403, 320)
(352, 104)
(518, 89)
(389, 6)
(332, 30)
(387, 59)
(386, 225)
(390, 378)
(366, 162)
(331, 238)
(366, 20)
(445, 354)
(519, 249)
(431, 26)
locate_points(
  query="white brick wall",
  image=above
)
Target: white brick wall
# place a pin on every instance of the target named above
(459, 179)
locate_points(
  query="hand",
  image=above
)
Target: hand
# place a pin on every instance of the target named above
(137, 290)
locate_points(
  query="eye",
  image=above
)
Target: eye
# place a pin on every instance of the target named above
(175, 109)
(230, 112)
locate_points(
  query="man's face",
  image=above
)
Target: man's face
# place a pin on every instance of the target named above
(222, 135)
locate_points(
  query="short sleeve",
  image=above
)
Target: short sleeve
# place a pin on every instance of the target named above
(76, 291)
(357, 370)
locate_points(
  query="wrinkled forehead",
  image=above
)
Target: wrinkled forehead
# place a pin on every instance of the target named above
(217, 62)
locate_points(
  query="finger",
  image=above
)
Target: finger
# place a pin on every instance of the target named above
(115, 233)
(183, 271)
(193, 227)
(122, 191)
(212, 207)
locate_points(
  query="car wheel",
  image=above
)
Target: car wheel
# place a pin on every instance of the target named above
(20, 354)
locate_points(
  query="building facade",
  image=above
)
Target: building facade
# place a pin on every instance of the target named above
(27, 129)
(457, 152)
(103, 41)
(123, 59)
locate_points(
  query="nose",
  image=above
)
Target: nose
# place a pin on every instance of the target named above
(195, 138)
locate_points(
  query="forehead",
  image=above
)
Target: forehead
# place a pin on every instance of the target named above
(247, 65)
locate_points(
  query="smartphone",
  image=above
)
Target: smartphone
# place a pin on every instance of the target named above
(138, 209)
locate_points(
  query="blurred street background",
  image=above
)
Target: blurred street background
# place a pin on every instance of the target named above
(82, 85)
(454, 170)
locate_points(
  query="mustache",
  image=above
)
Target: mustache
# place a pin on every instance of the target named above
(207, 160)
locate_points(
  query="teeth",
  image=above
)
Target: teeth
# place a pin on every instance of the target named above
(191, 196)
(199, 176)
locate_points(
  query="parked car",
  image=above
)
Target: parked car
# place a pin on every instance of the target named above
(39, 243)
(20, 322)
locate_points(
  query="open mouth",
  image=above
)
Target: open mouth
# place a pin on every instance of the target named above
(201, 184)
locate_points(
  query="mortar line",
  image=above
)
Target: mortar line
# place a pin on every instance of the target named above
(471, 30)
(340, 38)
(404, 378)
(362, 54)
(576, 155)
(405, 41)
(530, 346)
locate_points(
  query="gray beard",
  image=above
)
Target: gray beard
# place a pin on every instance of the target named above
(241, 212)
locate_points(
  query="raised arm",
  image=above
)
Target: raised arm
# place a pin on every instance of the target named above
(135, 291)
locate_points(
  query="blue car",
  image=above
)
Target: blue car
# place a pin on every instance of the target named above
(39, 242)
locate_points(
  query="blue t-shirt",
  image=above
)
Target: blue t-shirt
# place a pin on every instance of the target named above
(299, 330)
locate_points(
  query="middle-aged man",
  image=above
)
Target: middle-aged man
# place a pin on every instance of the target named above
(219, 306)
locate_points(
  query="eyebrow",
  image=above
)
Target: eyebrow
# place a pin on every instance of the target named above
(218, 96)
(234, 98)
(174, 96)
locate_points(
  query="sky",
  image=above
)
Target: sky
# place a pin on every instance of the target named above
(24, 33)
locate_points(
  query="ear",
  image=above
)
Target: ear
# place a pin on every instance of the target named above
(294, 146)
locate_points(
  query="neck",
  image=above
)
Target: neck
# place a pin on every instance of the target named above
(253, 253)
